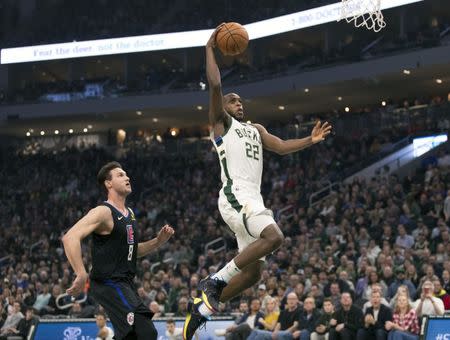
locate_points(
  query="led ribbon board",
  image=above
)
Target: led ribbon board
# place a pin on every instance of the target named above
(167, 41)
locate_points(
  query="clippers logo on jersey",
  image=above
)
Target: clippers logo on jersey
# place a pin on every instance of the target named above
(130, 234)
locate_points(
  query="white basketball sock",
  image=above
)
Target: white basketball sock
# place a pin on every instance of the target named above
(227, 272)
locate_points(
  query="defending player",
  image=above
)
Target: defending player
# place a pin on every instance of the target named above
(115, 248)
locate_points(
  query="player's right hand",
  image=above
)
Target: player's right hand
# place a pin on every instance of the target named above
(212, 39)
(78, 285)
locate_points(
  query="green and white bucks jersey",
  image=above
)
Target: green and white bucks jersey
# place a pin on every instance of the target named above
(240, 153)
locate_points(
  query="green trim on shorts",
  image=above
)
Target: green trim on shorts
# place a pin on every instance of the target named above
(244, 218)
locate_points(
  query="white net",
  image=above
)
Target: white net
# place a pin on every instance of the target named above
(363, 13)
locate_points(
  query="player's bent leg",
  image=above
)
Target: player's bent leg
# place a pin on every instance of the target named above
(248, 276)
(271, 238)
(144, 328)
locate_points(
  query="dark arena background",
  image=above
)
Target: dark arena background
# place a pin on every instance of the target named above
(365, 213)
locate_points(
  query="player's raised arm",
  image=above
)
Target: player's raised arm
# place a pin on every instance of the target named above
(283, 147)
(216, 111)
(94, 219)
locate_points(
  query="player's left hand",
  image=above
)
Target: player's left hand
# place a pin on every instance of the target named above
(320, 131)
(165, 233)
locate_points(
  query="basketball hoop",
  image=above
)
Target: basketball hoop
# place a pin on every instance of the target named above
(363, 13)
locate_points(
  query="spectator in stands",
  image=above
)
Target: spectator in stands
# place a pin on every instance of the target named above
(335, 294)
(182, 308)
(25, 324)
(401, 280)
(404, 324)
(376, 287)
(263, 295)
(446, 280)
(442, 294)
(104, 332)
(248, 322)
(316, 293)
(75, 311)
(309, 316)
(375, 319)
(11, 322)
(271, 314)
(446, 209)
(322, 328)
(172, 332)
(287, 322)
(403, 239)
(52, 307)
(346, 320)
(428, 304)
(43, 297)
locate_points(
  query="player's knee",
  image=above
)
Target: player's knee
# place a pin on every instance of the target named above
(273, 236)
(276, 240)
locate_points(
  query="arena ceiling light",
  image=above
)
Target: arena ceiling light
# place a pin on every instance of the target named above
(167, 41)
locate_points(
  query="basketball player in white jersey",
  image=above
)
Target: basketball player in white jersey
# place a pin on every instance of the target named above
(240, 150)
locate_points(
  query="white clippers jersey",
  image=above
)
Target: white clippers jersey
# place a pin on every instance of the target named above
(240, 153)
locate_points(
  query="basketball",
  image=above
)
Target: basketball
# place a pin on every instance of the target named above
(232, 39)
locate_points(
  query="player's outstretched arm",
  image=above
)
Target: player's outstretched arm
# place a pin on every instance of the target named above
(216, 111)
(147, 247)
(72, 244)
(283, 147)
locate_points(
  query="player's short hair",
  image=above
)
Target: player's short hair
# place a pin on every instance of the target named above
(169, 321)
(105, 173)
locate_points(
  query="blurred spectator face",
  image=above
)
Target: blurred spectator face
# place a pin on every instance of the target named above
(427, 287)
(182, 305)
(328, 307)
(343, 275)
(403, 290)
(402, 301)
(294, 280)
(255, 305)
(170, 327)
(376, 299)
(346, 300)
(309, 305)
(29, 314)
(437, 286)
(373, 277)
(446, 275)
(100, 321)
(270, 305)
(141, 292)
(334, 289)
(76, 308)
(56, 290)
(243, 307)
(401, 230)
(299, 289)
(292, 301)
(16, 307)
(194, 281)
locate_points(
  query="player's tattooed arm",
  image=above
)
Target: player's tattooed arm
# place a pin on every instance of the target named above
(284, 147)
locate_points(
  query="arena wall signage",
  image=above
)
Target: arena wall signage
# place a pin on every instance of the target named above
(166, 41)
